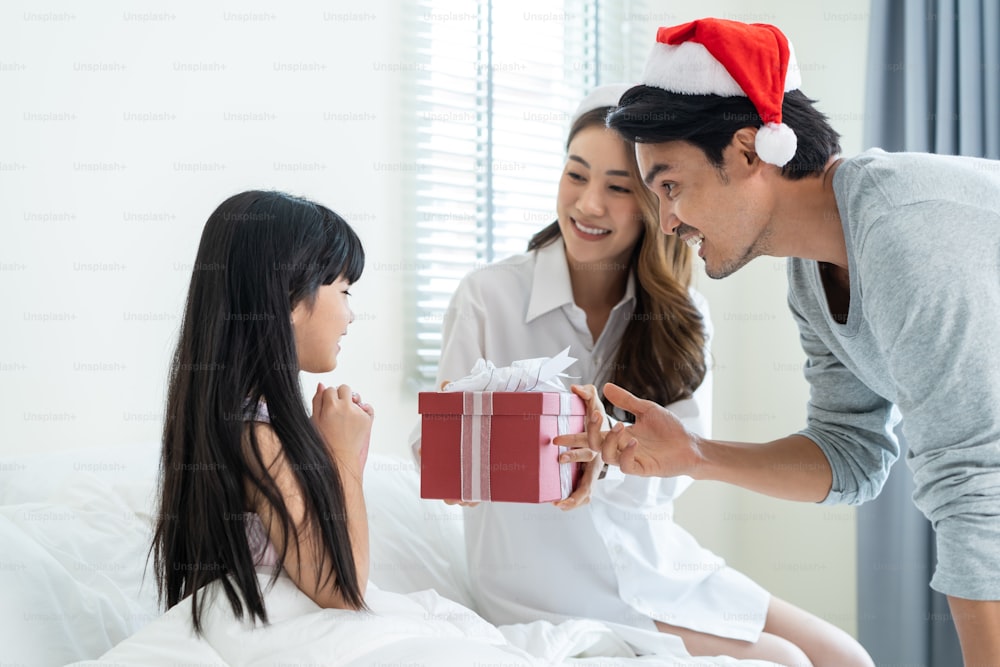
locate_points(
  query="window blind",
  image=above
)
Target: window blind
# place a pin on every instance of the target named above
(495, 90)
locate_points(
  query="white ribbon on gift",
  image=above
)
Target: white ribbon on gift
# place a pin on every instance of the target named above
(477, 421)
(562, 427)
(541, 374)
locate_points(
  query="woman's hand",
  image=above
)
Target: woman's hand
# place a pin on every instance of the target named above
(345, 422)
(463, 503)
(591, 458)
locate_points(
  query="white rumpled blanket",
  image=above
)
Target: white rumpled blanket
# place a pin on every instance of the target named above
(417, 628)
(75, 530)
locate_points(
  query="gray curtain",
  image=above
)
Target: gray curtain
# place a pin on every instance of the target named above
(933, 85)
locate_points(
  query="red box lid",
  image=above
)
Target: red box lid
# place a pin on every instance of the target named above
(504, 403)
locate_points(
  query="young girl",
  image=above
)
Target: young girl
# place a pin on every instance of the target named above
(604, 280)
(248, 478)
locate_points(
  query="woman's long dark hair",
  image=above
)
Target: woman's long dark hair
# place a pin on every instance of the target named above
(661, 355)
(261, 253)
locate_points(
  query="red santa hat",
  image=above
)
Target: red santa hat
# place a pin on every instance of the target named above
(729, 58)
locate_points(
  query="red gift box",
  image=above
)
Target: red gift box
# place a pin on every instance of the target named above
(496, 446)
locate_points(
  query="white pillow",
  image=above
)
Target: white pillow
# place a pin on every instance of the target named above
(74, 549)
(75, 530)
(416, 544)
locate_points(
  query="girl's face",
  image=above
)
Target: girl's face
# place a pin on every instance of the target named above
(599, 215)
(318, 329)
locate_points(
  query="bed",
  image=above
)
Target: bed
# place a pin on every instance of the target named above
(75, 530)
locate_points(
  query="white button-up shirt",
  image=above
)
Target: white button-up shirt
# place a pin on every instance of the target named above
(621, 558)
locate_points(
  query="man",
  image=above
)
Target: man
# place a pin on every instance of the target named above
(894, 281)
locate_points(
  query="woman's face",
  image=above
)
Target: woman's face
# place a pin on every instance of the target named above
(599, 214)
(318, 329)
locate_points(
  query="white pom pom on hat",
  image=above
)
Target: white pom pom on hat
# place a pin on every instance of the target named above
(731, 59)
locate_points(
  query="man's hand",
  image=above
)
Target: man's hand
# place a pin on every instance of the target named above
(656, 445)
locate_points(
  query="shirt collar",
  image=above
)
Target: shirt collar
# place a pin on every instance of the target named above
(550, 284)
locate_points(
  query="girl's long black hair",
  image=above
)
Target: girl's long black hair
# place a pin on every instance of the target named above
(261, 253)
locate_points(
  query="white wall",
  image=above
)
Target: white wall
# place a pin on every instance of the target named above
(800, 552)
(123, 127)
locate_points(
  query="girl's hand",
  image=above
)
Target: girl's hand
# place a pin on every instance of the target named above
(356, 399)
(593, 463)
(345, 422)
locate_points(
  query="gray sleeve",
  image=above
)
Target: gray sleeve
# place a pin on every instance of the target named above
(850, 423)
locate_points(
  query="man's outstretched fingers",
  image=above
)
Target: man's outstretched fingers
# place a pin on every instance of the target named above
(625, 399)
(626, 458)
(604, 446)
(575, 440)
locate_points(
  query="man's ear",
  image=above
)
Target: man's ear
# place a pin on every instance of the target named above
(744, 141)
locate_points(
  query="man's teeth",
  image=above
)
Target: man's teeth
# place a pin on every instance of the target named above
(695, 241)
(590, 230)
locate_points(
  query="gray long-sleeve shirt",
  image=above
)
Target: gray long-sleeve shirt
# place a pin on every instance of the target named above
(922, 333)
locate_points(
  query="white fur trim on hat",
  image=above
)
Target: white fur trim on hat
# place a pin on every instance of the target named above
(689, 68)
(793, 77)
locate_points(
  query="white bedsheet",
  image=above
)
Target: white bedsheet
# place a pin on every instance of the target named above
(401, 630)
(75, 530)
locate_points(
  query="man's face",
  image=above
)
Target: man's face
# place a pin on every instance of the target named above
(722, 212)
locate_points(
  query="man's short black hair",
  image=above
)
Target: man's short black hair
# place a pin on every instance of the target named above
(649, 115)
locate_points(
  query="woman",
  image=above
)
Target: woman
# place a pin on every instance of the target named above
(605, 281)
